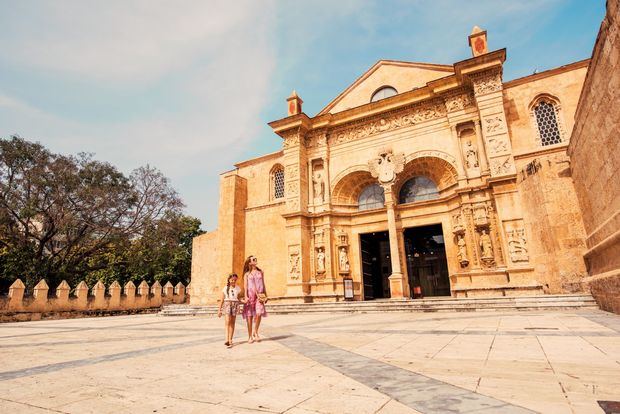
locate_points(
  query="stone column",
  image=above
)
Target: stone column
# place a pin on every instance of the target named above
(397, 282)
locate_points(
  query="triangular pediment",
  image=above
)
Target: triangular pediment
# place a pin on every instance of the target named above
(402, 76)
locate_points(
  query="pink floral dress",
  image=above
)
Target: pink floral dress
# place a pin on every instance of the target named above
(256, 285)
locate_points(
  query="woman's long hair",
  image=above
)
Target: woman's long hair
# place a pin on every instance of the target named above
(230, 276)
(246, 266)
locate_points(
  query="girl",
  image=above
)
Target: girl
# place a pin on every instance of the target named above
(230, 304)
(256, 297)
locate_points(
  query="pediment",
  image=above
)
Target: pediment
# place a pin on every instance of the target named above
(403, 76)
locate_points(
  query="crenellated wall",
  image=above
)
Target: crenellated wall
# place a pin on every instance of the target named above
(85, 301)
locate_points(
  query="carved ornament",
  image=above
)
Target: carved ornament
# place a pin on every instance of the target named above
(401, 119)
(386, 165)
(487, 82)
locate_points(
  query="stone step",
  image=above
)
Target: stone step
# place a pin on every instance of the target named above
(546, 302)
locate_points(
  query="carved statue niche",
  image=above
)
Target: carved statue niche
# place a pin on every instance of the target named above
(467, 137)
(457, 223)
(386, 165)
(342, 243)
(486, 248)
(462, 254)
(320, 260)
(343, 260)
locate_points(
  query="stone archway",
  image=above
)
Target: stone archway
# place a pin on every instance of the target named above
(349, 184)
(427, 164)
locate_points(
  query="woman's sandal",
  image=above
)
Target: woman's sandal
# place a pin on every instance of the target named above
(227, 343)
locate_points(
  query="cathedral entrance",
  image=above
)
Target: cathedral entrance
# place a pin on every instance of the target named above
(427, 266)
(376, 265)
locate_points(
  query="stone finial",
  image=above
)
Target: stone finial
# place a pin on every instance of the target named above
(294, 104)
(17, 287)
(156, 288)
(179, 289)
(478, 41)
(99, 293)
(168, 289)
(62, 291)
(40, 290)
(130, 289)
(143, 288)
(115, 294)
(16, 294)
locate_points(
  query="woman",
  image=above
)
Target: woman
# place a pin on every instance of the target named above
(229, 304)
(256, 297)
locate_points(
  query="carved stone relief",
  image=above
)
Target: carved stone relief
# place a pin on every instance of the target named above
(291, 141)
(498, 145)
(408, 117)
(294, 262)
(495, 124)
(386, 165)
(292, 188)
(458, 101)
(487, 82)
(457, 223)
(481, 214)
(517, 245)
(292, 172)
(501, 165)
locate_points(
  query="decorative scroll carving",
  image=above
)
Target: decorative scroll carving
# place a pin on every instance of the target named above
(294, 262)
(291, 140)
(409, 117)
(487, 82)
(292, 204)
(386, 166)
(292, 188)
(517, 245)
(457, 101)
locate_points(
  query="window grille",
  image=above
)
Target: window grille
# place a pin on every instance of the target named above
(547, 115)
(278, 183)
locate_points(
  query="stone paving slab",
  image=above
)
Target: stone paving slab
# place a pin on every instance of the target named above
(513, 362)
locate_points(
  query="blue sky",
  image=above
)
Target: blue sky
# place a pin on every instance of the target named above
(189, 86)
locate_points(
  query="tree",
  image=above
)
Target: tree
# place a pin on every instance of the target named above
(63, 217)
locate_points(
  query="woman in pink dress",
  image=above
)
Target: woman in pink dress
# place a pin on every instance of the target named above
(254, 309)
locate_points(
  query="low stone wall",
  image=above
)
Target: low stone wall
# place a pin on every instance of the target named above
(100, 301)
(606, 291)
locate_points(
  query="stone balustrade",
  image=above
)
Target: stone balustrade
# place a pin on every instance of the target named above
(85, 301)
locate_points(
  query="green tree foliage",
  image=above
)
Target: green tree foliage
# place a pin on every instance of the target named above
(74, 218)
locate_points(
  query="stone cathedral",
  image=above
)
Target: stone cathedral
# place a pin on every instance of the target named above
(417, 180)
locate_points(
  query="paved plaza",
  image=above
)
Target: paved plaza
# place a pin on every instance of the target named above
(474, 362)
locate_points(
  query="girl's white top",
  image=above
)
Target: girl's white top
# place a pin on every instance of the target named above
(231, 293)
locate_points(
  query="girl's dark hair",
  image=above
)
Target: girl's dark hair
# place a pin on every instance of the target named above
(246, 266)
(230, 276)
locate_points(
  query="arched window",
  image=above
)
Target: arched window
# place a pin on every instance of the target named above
(546, 115)
(417, 189)
(382, 93)
(277, 182)
(371, 197)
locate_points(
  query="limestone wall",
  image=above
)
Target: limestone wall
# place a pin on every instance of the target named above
(595, 161)
(553, 219)
(206, 277)
(563, 84)
(85, 301)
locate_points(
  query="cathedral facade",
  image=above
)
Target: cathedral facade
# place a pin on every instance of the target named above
(417, 180)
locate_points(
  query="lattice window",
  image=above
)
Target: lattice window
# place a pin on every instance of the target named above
(278, 183)
(546, 114)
